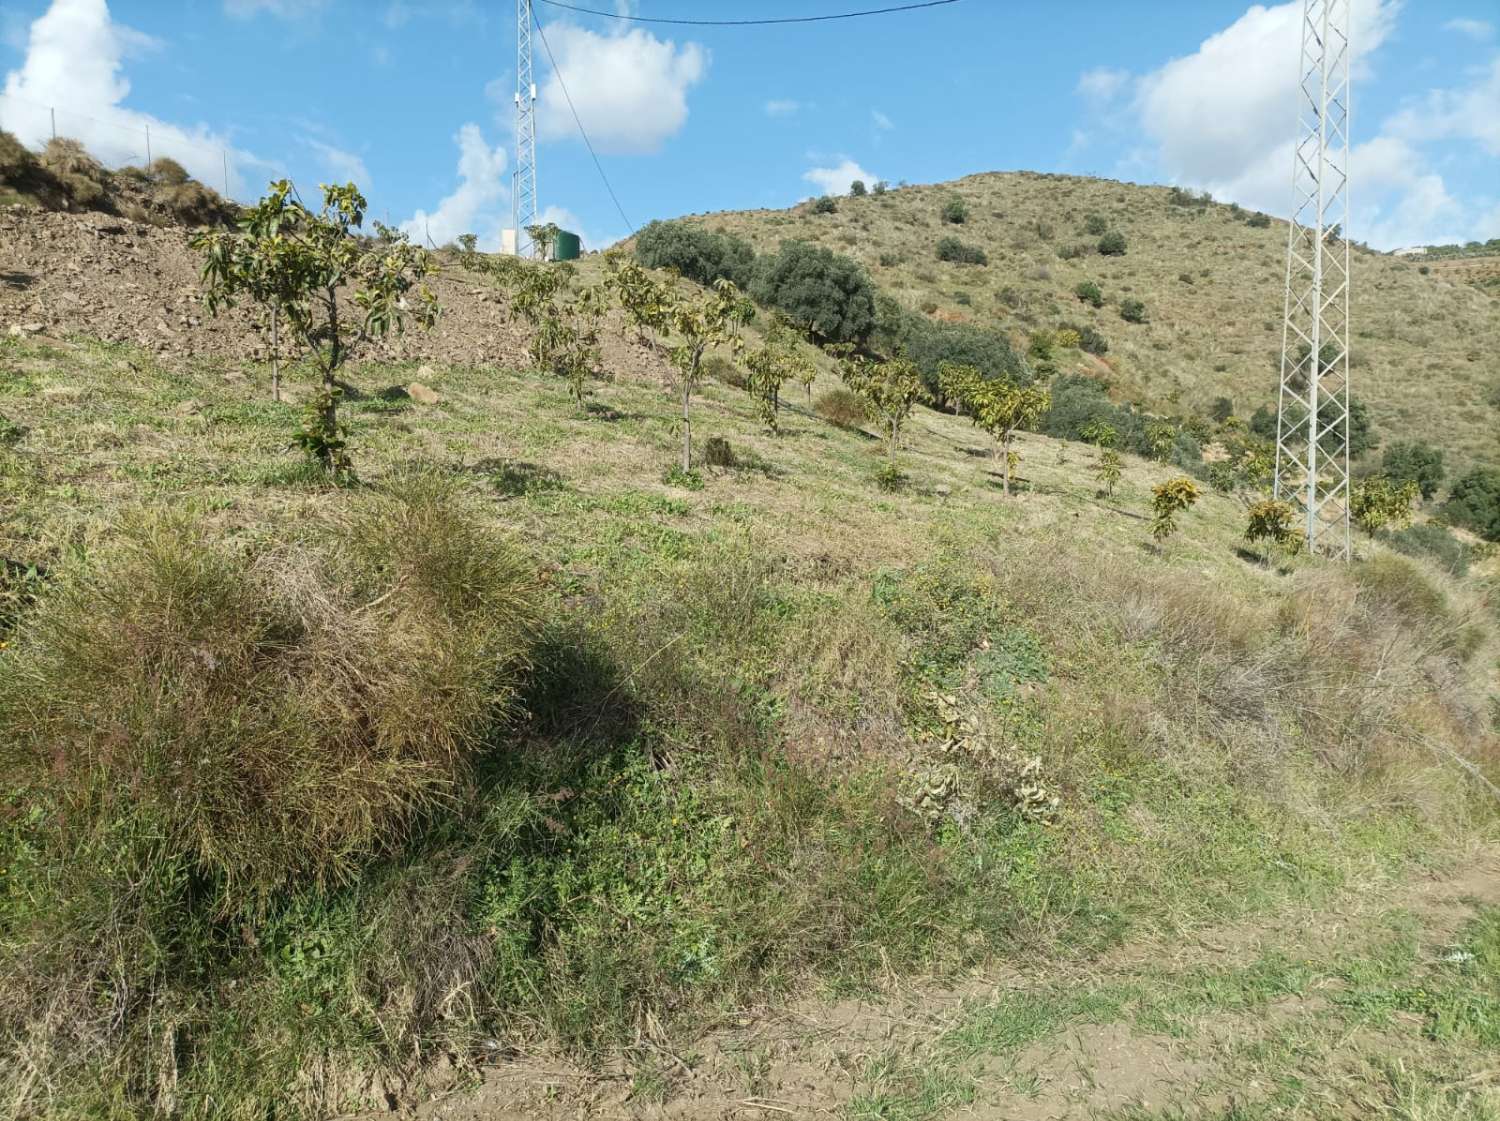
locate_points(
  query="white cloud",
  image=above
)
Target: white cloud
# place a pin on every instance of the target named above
(1471, 113)
(629, 89)
(1224, 117)
(1476, 29)
(1102, 83)
(344, 165)
(881, 121)
(477, 205)
(782, 108)
(836, 180)
(75, 55)
(281, 9)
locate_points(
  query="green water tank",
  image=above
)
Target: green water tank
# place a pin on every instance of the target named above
(568, 247)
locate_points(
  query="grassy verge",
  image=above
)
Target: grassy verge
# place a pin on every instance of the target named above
(778, 732)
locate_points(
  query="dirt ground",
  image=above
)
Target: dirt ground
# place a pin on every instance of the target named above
(813, 1059)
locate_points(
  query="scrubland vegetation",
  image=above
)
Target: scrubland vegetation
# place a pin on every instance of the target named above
(576, 711)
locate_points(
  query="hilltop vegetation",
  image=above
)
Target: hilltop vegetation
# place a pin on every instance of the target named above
(1190, 295)
(666, 667)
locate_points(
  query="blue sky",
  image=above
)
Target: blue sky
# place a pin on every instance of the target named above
(413, 100)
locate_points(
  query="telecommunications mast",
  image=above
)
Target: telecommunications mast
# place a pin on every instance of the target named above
(523, 205)
(1312, 422)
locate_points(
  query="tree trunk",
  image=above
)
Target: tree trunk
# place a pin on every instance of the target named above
(275, 355)
(335, 352)
(1005, 465)
(687, 426)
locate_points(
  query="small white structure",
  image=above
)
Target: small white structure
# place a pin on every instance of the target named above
(508, 242)
(1410, 251)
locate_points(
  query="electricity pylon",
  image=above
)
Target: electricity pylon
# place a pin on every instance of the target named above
(1312, 423)
(523, 204)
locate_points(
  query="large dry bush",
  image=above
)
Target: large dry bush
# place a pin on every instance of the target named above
(187, 726)
(281, 713)
(83, 179)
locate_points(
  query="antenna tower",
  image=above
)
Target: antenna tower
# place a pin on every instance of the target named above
(523, 205)
(1312, 423)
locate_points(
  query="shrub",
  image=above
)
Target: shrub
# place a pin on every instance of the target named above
(191, 203)
(1132, 311)
(1415, 462)
(17, 163)
(828, 295)
(1091, 341)
(1361, 434)
(1112, 244)
(841, 407)
(1258, 221)
(889, 260)
(1435, 542)
(857, 189)
(1095, 225)
(824, 205)
(1379, 502)
(1397, 585)
(82, 178)
(951, 249)
(880, 188)
(1474, 502)
(695, 253)
(717, 452)
(1072, 252)
(167, 172)
(1221, 409)
(1107, 470)
(313, 704)
(955, 211)
(1088, 292)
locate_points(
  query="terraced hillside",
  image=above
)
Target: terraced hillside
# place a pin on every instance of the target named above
(1211, 283)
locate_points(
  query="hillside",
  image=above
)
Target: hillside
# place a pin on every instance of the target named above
(524, 770)
(1423, 345)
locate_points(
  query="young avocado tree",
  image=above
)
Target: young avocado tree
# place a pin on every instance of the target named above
(888, 390)
(779, 360)
(997, 405)
(1379, 502)
(1168, 499)
(1107, 470)
(301, 261)
(646, 301)
(1274, 523)
(712, 319)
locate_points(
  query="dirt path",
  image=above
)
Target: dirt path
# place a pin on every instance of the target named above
(1221, 1022)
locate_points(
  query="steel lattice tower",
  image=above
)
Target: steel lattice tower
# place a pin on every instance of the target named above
(1312, 424)
(523, 198)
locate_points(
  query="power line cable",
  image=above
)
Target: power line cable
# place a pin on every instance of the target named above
(751, 22)
(599, 167)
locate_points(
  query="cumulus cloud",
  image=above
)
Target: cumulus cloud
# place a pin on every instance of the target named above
(782, 108)
(478, 205)
(836, 180)
(75, 56)
(1476, 29)
(1223, 119)
(629, 89)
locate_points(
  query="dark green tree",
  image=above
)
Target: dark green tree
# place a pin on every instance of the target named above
(1474, 502)
(857, 189)
(955, 211)
(695, 253)
(1415, 462)
(1112, 244)
(823, 293)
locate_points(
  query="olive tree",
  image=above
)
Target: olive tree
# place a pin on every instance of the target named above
(712, 319)
(997, 405)
(301, 262)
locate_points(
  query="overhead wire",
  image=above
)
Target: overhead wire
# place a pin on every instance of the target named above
(599, 167)
(750, 22)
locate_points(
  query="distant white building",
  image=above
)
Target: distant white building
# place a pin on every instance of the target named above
(1410, 251)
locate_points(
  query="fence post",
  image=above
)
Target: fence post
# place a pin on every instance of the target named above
(224, 156)
(53, 110)
(148, 145)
